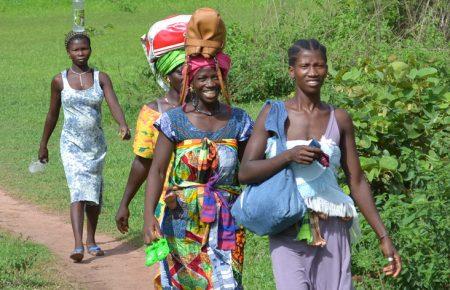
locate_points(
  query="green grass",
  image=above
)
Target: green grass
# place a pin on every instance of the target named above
(26, 265)
(34, 52)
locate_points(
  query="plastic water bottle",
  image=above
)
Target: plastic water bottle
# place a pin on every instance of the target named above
(78, 15)
(37, 166)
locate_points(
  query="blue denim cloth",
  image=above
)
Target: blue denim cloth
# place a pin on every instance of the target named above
(275, 204)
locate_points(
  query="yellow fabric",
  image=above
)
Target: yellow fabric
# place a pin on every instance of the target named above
(144, 145)
(146, 134)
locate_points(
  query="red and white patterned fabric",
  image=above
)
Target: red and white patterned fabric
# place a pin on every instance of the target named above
(164, 36)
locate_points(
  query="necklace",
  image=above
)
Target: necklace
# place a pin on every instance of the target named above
(80, 74)
(167, 101)
(207, 113)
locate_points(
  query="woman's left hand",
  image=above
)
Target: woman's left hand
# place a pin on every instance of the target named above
(395, 262)
(124, 132)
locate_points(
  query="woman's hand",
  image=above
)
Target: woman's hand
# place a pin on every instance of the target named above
(122, 216)
(43, 154)
(152, 231)
(389, 251)
(304, 154)
(124, 132)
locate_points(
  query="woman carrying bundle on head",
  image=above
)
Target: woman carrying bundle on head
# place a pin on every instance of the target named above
(319, 139)
(207, 138)
(80, 91)
(164, 48)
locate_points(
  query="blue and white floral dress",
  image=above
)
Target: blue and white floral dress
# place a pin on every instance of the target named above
(82, 144)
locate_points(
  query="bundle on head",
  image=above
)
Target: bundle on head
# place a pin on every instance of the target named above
(162, 43)
(205, 39)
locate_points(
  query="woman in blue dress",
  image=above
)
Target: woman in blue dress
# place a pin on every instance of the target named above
(80, 90)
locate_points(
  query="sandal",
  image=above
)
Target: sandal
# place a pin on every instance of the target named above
(77, 254)
(95, 250)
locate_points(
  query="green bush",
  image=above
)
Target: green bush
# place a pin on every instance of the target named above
(351, 30)
(419, 224)
(401, 114)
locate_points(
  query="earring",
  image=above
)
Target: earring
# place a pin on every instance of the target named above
(168, 80)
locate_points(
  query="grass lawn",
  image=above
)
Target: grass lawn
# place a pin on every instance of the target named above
(33, 52)
(26, 265)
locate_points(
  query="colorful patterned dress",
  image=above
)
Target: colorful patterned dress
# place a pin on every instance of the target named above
(146, 135)
(206, 245)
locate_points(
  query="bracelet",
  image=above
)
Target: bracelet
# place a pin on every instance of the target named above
(383, 236)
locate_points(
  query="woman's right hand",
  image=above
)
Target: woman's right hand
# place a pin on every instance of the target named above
(152, 231)
(303, 154)
(43, 154)
(122, 215)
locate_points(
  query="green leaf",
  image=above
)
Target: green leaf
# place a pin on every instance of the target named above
(424, 72)
(434, 81)
(379, 74)
(353, 74)
(367, 163)
(408, 219)
(413, 134)
(365, 143)
(374, 172)
(447, 96)
(388, 163)
(399, 68)
(346, 189)
(331, 70)
(402, 167)
(412, 74)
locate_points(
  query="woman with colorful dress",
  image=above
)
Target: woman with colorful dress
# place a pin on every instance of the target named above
(80, 91)
(164, 49)
(146, 135)
(320, 138)
(207, 138)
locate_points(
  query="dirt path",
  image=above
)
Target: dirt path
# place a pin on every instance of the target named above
(122, 267)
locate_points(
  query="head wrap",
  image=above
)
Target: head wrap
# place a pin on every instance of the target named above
(195, 63)
(205, 40)
(164, 36)
(221, 62)
(170, 61)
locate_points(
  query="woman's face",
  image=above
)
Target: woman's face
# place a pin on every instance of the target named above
(206, 85)
(79, 51)
(309, 71)
(176, 78)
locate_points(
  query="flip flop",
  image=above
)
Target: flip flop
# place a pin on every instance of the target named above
(95, 250)
(77, 254)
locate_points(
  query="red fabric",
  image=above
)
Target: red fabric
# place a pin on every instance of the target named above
(197, 62)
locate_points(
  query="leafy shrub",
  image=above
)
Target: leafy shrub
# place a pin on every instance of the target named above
(419, 224)
(351, 30)
(401, 114)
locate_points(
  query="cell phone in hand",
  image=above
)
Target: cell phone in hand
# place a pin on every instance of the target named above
(324, 159)
(314, 143)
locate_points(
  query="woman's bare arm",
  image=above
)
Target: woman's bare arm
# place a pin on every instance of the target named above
(360, 189)
(113, 104)
(138, 173)
(52, 116)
